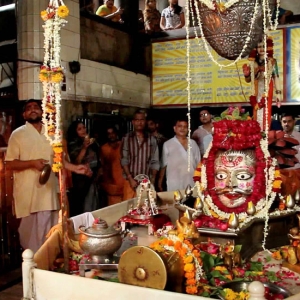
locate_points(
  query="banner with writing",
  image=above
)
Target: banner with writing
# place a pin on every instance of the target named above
(210, 84)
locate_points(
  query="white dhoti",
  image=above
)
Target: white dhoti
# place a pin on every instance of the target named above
(33, 229)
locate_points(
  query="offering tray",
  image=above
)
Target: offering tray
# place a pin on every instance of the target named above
(110, 267)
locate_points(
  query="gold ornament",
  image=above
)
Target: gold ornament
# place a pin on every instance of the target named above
(251, 210)
(188, 191)
(198, 204)
(233, 221)
(290, 202)
(177, 196)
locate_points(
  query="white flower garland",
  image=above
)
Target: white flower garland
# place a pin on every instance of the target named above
(188, 79)
(269, 13)
(51, 89)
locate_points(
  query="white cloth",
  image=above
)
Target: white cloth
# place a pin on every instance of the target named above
(34, 228)
(85, 219)
(198, 136)
(175, 158)
(206, 141)
(26, 143)
(172, 19)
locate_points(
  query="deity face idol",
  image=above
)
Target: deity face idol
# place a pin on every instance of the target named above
(261, 49)
(234, 176)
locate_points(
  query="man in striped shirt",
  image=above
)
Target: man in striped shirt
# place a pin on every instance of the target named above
(139, 155)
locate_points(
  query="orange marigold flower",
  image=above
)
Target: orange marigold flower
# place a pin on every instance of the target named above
(189, 268)
(164, 241)
(44, 15)
(277, 184)
(170, 243)
(196, 253)
(277, 174)
(63, 11)
(182, 252)
(191, 290)
(191, 281)
(177, 245)
(189, 275)
(228, 276)
(188, 259)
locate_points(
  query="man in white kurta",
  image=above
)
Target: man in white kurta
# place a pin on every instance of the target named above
(27, 152)
(175, 159)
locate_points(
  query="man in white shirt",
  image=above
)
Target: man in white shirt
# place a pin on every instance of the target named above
(288, 124)
(205, 129)
(27, 153)
(174, 160)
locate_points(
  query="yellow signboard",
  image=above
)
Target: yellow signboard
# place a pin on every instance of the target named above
(293, 72)
(210, 84)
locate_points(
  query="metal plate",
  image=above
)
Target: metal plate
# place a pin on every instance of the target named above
(239, 286)
(142, 266)
(45, 174)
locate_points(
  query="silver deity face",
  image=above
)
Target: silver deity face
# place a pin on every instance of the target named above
(234, 176)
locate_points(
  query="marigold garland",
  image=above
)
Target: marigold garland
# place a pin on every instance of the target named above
(189, 255)
(51, 75)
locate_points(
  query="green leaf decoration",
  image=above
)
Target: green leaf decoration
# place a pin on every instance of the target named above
(268, 258)
(224, 114)
(205, 294)
(237, 248)
(236, 113)
(216, 274)
(256, 266)
(229, 117)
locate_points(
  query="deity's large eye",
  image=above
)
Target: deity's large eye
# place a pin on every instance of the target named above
(221, 175)
(243, 176)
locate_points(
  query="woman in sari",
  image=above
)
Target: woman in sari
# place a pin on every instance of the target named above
(151, 17)
(83, 150)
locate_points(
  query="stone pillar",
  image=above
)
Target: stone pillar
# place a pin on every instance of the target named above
(30, 48)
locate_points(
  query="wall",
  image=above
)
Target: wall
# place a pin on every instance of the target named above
(294, 5)
(95, 82)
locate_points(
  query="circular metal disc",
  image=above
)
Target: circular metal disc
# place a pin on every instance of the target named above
(45, 174)
(142, 266)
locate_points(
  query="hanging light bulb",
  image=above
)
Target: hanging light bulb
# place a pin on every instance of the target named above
(251, 210)
(233, 221)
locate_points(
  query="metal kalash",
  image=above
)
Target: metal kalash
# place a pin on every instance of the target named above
(226, 30)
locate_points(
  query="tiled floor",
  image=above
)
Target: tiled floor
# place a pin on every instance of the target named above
(14, 292)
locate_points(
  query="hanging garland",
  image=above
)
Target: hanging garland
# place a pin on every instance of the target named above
(51, 75)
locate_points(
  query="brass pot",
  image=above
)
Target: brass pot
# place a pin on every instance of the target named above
(100, 241)
(226, 31)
